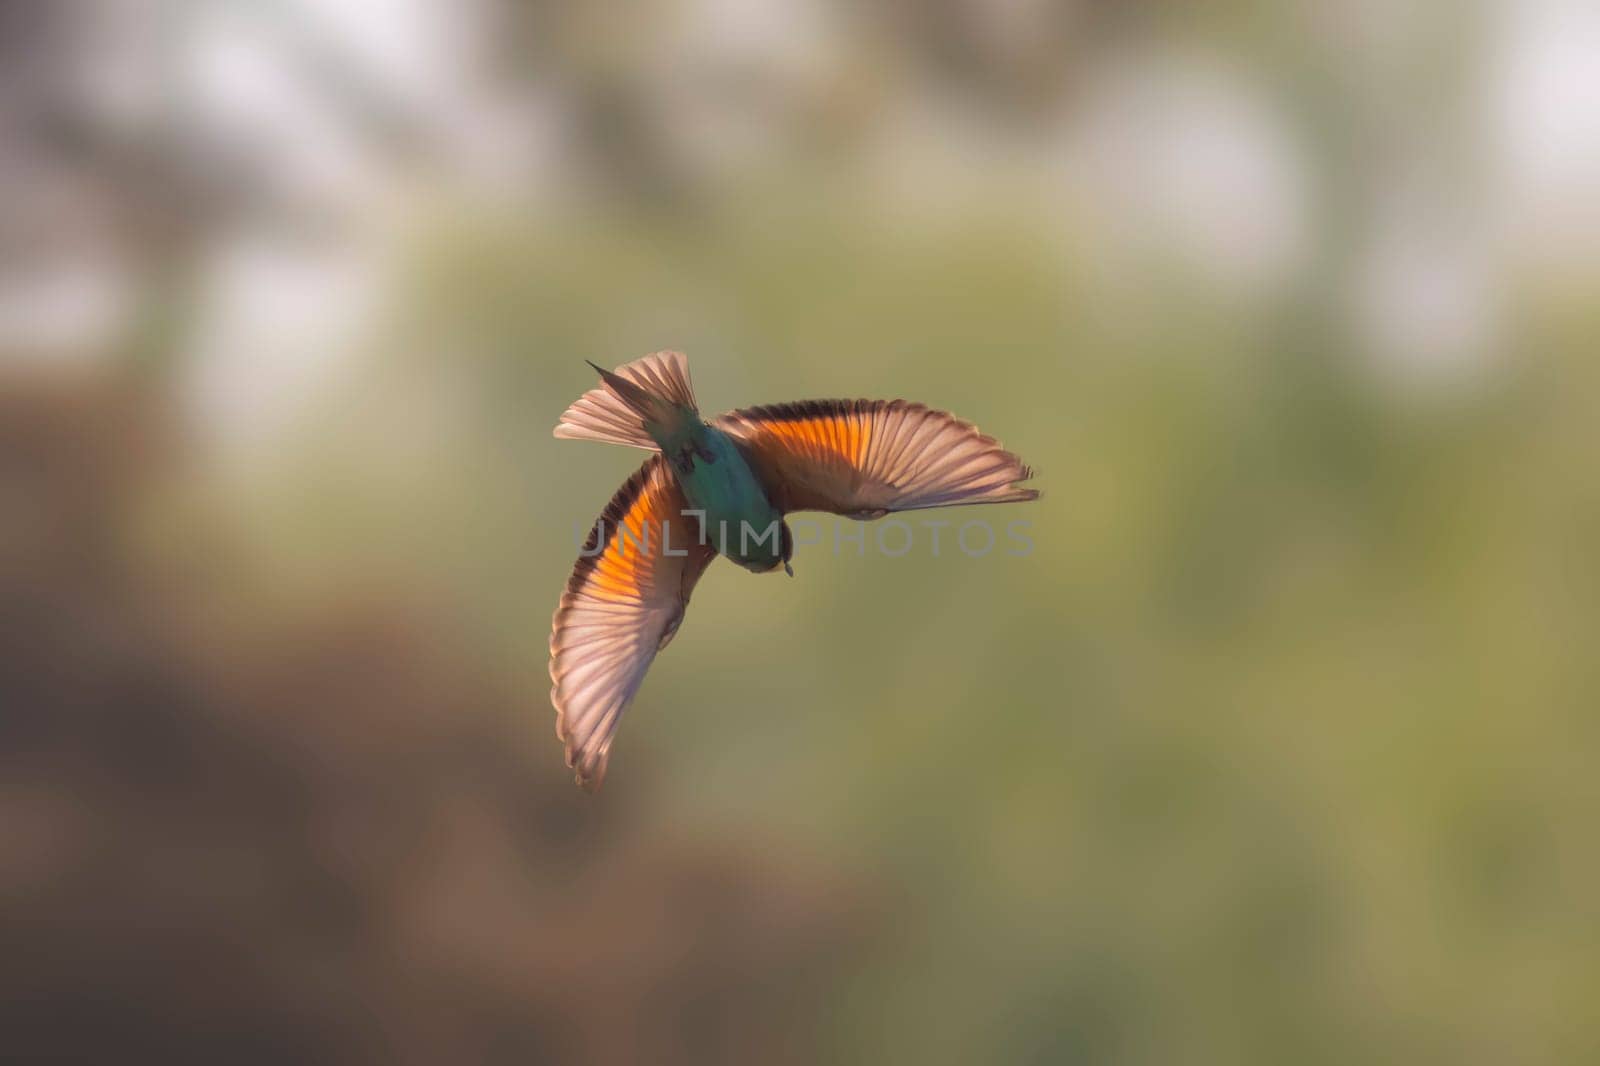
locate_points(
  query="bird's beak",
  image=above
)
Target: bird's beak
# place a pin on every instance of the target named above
(788, 569)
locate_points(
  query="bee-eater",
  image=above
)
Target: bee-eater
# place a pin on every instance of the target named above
(723, 487)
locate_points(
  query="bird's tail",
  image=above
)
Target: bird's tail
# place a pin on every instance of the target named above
(642, 402)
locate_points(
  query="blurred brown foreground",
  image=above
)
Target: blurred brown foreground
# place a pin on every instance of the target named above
(322, 838)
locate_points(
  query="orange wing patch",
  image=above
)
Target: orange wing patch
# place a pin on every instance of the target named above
(623, 603)
(845, 437)
(865, 458)
(639, 533)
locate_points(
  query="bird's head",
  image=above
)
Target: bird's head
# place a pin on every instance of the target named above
(766, 564)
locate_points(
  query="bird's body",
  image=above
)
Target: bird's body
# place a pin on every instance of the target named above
(737, 516)
(729, 503)
(723, 487)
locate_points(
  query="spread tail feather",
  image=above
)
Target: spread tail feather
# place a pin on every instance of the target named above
(653, 392)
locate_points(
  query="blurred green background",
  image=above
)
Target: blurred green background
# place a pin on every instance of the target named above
(1275, 749)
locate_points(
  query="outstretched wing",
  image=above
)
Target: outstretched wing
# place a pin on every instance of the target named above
(865, 458)
(623, 603)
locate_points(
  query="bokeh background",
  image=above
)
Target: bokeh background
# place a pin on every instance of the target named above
(1278, 748)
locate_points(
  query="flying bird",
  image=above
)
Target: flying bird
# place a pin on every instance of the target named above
(722, 487)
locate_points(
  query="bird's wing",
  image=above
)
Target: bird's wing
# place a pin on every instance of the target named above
(623, 603)
(864, 458)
